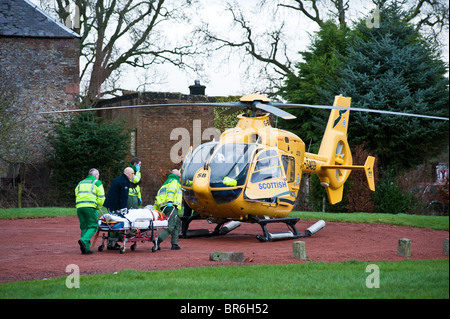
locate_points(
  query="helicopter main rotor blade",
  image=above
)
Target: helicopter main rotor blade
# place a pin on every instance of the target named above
(327, 107)
(232, 105)
(273, 108)
(275, 111)
(228, 104)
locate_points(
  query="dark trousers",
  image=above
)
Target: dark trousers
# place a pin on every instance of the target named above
(173, 227)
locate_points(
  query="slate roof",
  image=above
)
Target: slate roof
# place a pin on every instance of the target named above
(22, 18)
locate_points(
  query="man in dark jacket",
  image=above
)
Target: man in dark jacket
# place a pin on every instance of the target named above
(116, 201)
(117, 197)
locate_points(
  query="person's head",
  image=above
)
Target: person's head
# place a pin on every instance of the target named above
(135, 161)
(176, 172)
(94, 172)
(129, 172)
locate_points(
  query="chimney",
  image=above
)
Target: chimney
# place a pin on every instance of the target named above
(197, 89)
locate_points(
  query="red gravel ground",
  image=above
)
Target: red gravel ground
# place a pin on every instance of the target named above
(44, 247)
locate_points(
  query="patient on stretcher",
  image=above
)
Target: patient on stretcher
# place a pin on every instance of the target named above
(135, 219)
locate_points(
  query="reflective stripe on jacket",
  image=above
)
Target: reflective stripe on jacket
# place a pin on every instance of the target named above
(89, 193)
(170, 192)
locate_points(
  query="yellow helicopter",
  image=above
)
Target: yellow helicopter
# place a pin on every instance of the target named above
(253, 173)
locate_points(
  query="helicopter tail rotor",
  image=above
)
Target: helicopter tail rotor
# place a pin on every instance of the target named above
(336, 150)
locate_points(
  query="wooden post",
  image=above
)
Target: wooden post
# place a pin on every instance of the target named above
(299, 250)
(404, 247)
(226, 256)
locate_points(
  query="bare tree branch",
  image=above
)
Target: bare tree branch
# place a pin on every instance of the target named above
(430, 14)
(313, 16)
(117, 33)
(271, 52)
(430, 17)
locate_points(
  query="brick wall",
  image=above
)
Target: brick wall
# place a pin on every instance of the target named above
(154, 126)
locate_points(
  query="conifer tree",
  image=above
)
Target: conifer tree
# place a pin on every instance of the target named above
(320, 67)
(389, 67)
(394, 68)
(83, 143)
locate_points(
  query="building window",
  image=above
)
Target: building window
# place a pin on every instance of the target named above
(133, 142)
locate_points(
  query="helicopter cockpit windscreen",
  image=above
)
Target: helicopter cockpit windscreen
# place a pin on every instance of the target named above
(229, 166)
(199, 157)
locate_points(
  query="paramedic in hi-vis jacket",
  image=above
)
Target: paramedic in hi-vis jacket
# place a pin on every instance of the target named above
(168, 201)
(134, 195)
(90, 196)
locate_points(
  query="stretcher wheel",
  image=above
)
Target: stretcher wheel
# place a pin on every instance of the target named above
(100, 248)
(122, 250)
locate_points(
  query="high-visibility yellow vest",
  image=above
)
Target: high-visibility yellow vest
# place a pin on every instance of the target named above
(89, 193)
(136, 191)
(170, 192)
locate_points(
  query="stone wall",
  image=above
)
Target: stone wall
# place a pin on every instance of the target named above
(39, 74)
(42, 74)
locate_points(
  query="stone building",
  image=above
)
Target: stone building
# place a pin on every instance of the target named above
(39, 68)
(162, 135)
(39, 63)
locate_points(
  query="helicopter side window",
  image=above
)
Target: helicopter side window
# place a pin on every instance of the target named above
(267, 167)
(289, 167)
(199, 157)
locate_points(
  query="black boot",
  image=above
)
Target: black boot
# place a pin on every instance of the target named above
(157, 242)
(175, 247)
(82, 247)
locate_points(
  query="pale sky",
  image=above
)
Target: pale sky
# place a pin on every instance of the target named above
(223, 77)
(229, 78)
(226, 76)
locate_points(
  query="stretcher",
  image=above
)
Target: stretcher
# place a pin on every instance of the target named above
(131, 225)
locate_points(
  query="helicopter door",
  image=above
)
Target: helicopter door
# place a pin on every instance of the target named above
(289, 167)
(267, 181)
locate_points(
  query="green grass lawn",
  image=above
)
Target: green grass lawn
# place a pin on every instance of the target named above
(423, 279)
(421, 221)
(37, 212)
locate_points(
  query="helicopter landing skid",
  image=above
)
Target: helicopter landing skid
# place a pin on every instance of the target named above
(290, 223)
(221, 230)
(190, 233)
